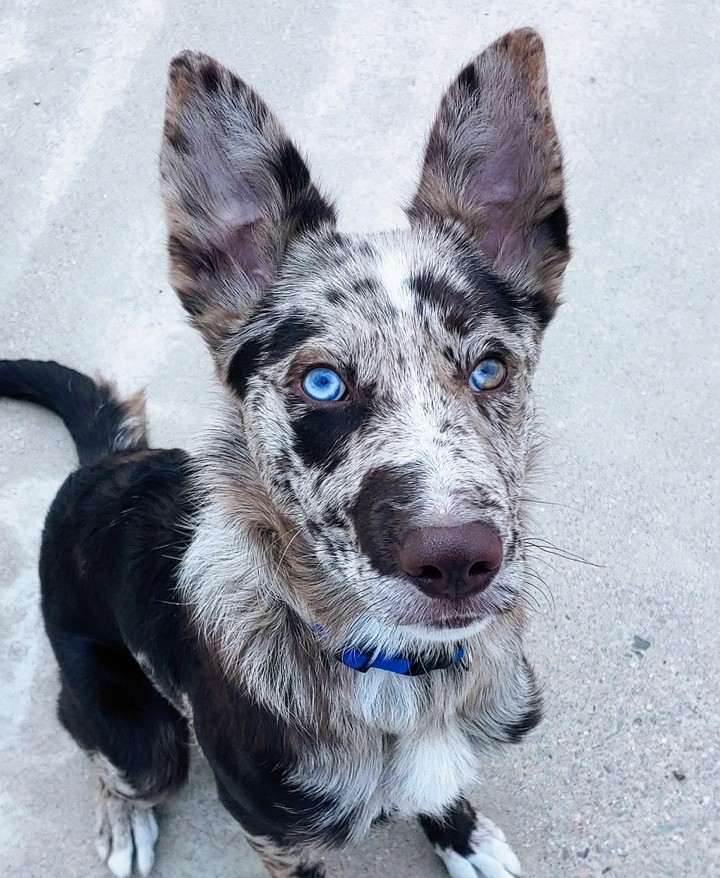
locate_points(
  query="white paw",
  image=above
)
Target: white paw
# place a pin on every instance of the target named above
(125, 832)
(490, 856)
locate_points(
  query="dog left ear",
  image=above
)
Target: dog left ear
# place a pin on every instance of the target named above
(493, 162)
(236, 193)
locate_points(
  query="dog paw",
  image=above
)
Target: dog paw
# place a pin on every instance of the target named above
(489, 854)
(126, 832)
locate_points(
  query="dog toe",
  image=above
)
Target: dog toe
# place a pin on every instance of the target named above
(125, 833)
(145, 834)
(496, 859)
(120, 860)
(490, 855)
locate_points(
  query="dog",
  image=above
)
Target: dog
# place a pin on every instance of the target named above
(331, 596)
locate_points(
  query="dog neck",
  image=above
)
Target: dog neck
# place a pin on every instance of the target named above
(406, 664)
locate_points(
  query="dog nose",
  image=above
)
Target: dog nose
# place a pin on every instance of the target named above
(452, 562)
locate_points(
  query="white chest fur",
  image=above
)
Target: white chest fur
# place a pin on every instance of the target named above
(426, 770)
(427, 759)
(402, 754)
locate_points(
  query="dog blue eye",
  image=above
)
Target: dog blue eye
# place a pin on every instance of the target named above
(323, 385)
(488, 374)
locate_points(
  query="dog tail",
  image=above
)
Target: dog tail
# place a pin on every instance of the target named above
(100, 422)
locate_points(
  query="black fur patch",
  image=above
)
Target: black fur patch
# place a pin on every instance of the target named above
(289, 335)
(107, 704)
(539, 307)
(203, 265)
(113, 540)
(336, 296)
(111, 545)
(556, 228)
(309, 211)
(310, 872)
(517, 730)
(210, 76)
(245, 362)
(494, 295)
(304, 206)
(193, 260)
(291, 172)
(508, 303)
(468, 78)
(486, 294)
(453, 303)
(252, 753)
(285, 338)
(454, 830)
(321, 434)
(364, 288)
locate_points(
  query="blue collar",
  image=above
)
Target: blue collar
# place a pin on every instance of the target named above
(364, 659)
(360, 660)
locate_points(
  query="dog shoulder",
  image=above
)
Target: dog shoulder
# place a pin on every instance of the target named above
(112, 543)
(255, 755)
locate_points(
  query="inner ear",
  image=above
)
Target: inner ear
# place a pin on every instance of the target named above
(236, 193)
(494, 164)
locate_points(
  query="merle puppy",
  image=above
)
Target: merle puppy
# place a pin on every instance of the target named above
(332, 594)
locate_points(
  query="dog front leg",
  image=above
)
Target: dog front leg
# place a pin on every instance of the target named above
(266, 832)
(286, 862)
(469, 844)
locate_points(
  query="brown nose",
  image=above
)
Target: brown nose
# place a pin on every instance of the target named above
(452, 562)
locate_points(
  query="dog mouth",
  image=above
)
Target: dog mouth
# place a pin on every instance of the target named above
(449, 615)
(458, 620)
(457, 607)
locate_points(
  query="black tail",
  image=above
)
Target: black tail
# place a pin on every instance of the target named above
(98, 420)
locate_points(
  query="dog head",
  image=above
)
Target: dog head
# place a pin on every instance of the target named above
(380, 386)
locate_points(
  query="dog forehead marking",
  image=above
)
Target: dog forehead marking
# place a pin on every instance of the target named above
(394, 280)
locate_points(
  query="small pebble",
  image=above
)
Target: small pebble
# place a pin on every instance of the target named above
(679, 775)
(36, 102)
(639, 645)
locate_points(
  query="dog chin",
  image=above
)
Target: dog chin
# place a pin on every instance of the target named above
(447, 630)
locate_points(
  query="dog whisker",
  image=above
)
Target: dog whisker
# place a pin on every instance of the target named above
(539, 502)
(531, 603)
(536, 581)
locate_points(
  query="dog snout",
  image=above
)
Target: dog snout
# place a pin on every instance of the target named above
(452, 562)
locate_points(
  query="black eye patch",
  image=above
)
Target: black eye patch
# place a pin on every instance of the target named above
(322, 434)
(265, 348)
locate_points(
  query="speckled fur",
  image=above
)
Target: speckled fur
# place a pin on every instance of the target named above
(403, 316)
(224, 585)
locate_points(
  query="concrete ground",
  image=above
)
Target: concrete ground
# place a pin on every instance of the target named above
(622, 778)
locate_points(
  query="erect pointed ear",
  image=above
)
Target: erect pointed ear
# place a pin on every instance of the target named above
(494, 163)
(236, 192)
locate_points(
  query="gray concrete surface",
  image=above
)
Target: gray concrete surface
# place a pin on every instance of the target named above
(622, 778)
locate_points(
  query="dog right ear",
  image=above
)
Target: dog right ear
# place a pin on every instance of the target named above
(236, 192)
(493, 163)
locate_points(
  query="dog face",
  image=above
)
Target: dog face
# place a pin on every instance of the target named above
(381, 384)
